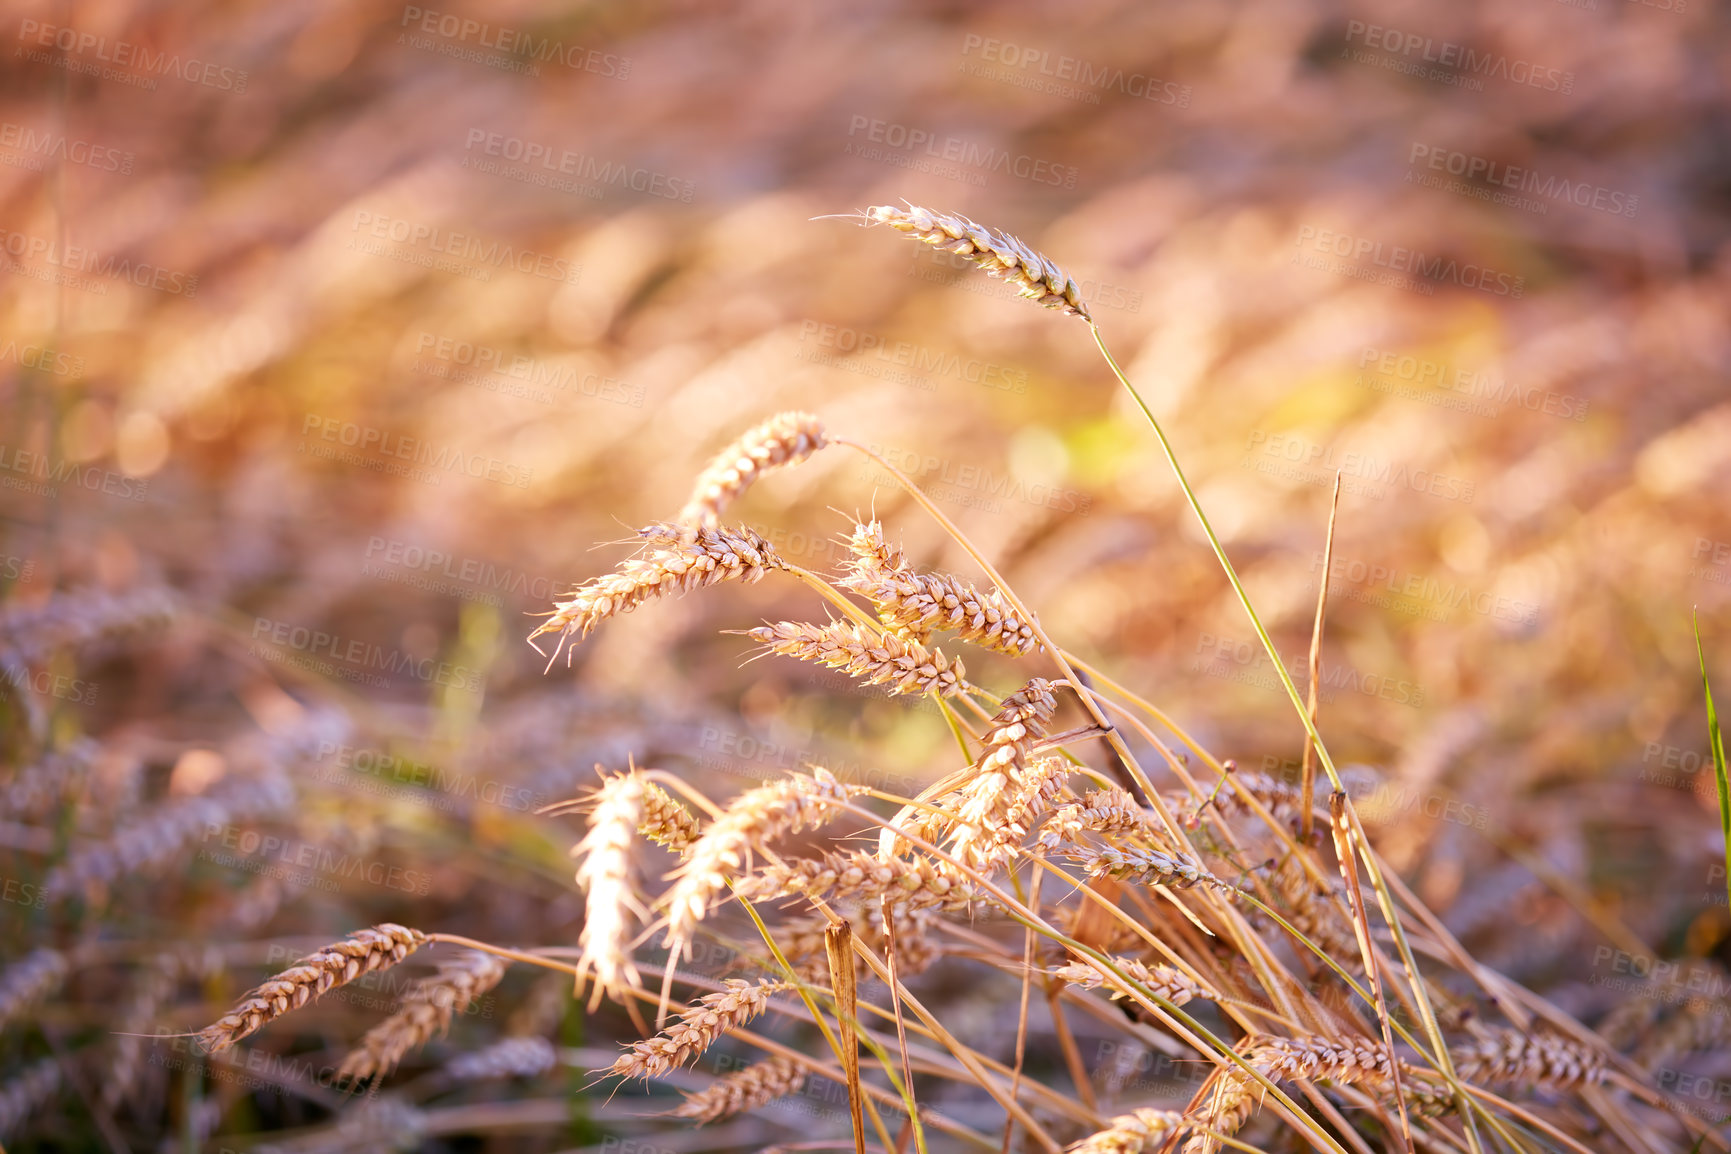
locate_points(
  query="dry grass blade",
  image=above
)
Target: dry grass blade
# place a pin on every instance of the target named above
(427, 1011)
(838, 945)
(784, 439)
(377, 948)
(997, 253)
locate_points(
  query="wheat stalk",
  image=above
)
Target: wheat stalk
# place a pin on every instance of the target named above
(697, 1029)
(604, 873)
(23, 1095)
(1545, 1060)
(743, 1090)
(666, 821)
(916, 603)
(784, 439)
(377, 948)
(744, 828)
(677, 562)
(526, 1057)
(427, 1011)
(29, 980)
(997, 253)
(842, 876)
(1131, 1133)
(876, 658)
(1163, 981)
(1343, 1061)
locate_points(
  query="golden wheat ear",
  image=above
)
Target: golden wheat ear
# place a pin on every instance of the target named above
(997, 253)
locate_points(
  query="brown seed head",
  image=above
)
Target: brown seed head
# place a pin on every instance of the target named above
(877, 658)
(747, 1089)
(427, 1010)
(377, 948)
(998, 253)
(784, 439)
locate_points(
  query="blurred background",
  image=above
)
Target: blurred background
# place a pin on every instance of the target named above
(335, 337)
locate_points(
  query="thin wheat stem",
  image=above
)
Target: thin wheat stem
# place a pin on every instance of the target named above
(1427, 1012)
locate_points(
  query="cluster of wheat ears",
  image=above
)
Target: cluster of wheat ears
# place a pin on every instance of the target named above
(1107, 862)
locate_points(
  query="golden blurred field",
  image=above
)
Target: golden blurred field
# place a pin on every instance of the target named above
(334, 336)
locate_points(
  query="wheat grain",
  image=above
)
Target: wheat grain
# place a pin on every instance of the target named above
(1343, 1061)
(377, 948)
(916, 603)
(666, 821)
(1131, 1133)
(151, 841)
(749, 822)
(858, 877)
(29, 980)
(27, 1093)
(427, 1011)
(77, 618)
(784, 439)
(697, 1029)
(1106, 811)
(152, 986)
(524, 1057)
(997, 253)
(604, 873)
(677, 562)
(1163, 981)
(1147, 866)
(746, 1089)
(876, 658)
(1545, 1060)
